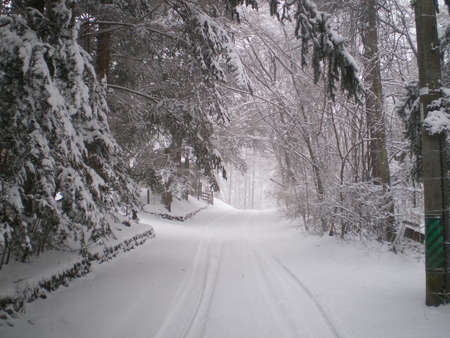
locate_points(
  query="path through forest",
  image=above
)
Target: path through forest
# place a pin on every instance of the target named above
(235, 287)
(239, 273)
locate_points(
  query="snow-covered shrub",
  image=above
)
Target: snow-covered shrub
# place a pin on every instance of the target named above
(352, 209)
(361, 209)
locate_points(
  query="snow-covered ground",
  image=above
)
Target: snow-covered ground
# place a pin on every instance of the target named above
(240, 273)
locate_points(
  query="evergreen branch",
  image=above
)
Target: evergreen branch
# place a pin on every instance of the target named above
(131, 25)
(4, 24)
(151, 98)
(116, 23)
(314, 29)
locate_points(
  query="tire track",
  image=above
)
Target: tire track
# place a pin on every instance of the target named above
(188, 313)
(273, 299)
(290, 307)
(293, 304)
(299, 309)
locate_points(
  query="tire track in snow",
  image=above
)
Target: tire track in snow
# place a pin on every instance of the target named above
(265, 281)
(187, 316)
(293, 305)
(297, 306)
(272, 297)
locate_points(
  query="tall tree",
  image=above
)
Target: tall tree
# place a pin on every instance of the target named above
(434, 155)
(167, 66)
(103, 50)
(378, 157)
(54, 124)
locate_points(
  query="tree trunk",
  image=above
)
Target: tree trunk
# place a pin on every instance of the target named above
(230, 184)
(378, 157)
(103, 56)
(434, 156)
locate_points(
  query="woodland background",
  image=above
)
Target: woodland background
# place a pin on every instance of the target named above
(312, 103)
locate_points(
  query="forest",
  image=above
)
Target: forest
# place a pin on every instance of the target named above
(101, 98)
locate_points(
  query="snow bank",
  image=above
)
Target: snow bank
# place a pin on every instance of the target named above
(180, 210)
(21, 283)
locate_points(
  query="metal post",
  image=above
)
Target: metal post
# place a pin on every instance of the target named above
(434, 157)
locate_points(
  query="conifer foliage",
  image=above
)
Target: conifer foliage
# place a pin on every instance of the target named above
(330, 57)
(60, 170)
(169, 94)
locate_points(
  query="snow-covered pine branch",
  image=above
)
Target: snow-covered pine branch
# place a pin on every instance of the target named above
(188, 125)
(313, 27)
(212, 47)
(55, 129)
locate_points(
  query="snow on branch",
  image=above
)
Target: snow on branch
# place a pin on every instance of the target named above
(54, 122)
(213, 47)
(437, 121)
(314, 29)
(438, 117)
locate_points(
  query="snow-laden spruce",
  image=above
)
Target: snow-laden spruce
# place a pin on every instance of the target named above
(55, 137)
(177, 104)
(212, 46)
(329, 53)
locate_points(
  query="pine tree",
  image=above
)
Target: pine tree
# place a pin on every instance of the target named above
(54, 136)
(167, 67)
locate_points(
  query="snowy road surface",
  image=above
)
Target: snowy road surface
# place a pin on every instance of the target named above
(236, 288)
(240, 274)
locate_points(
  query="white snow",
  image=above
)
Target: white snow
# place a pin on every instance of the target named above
(240, 273)
(180, 207)
(437, 121)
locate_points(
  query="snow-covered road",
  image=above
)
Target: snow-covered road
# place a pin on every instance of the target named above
(236, 288)
(234, 273)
